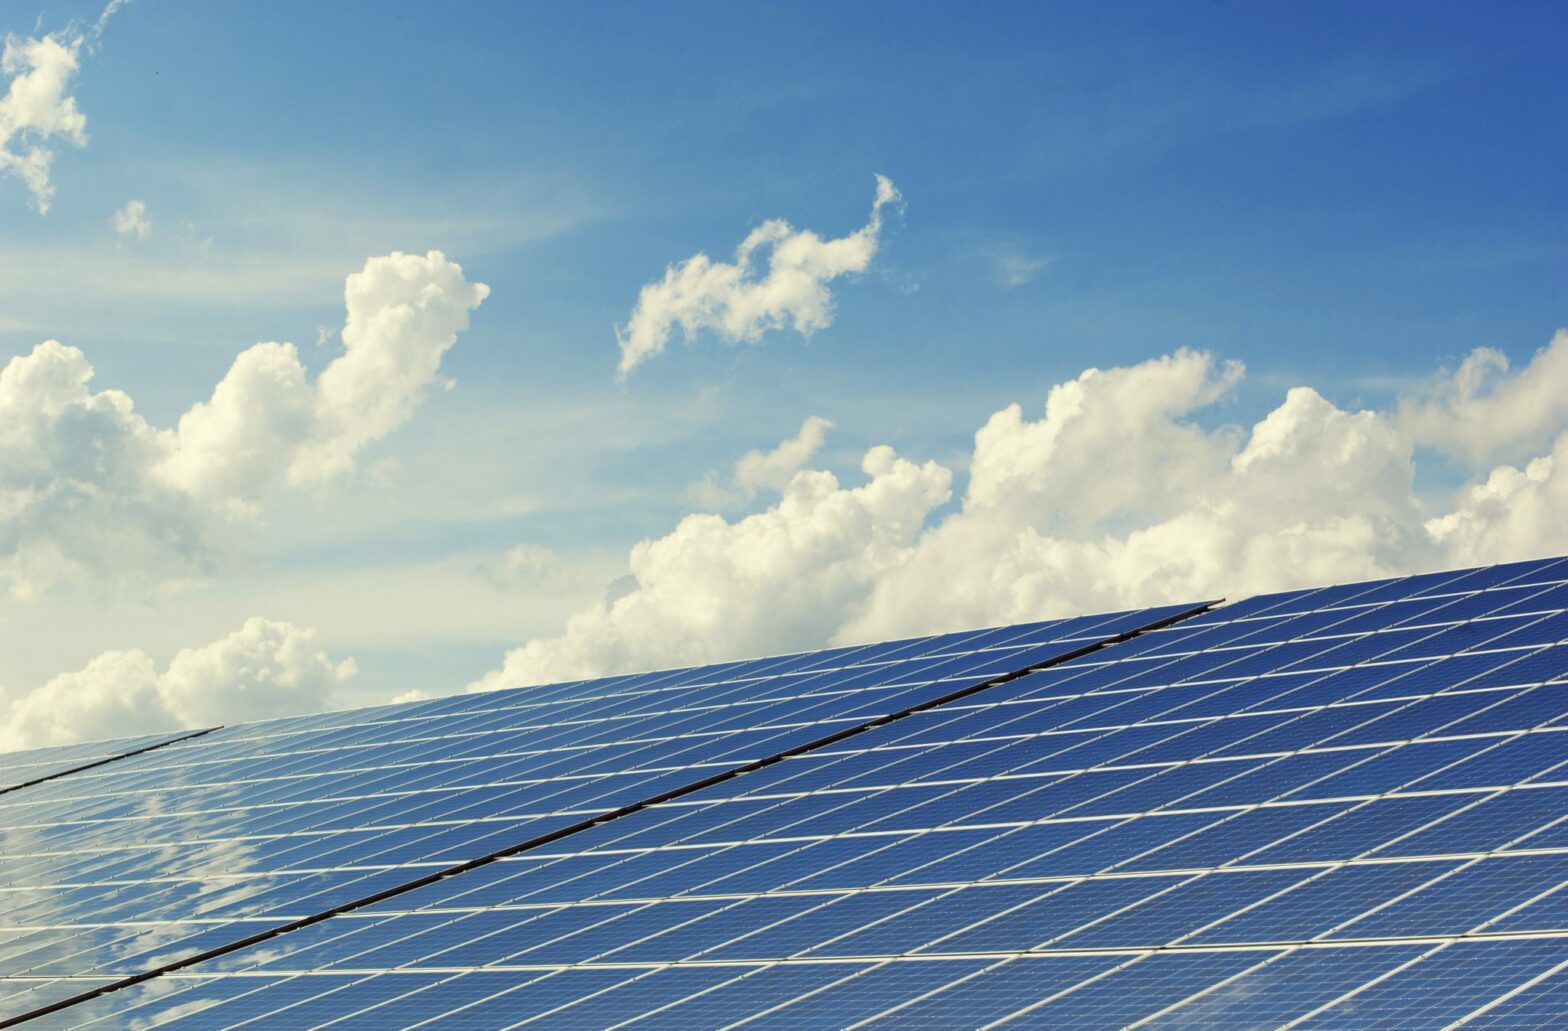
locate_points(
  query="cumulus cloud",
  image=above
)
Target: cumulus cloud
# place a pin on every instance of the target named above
(1480, 413)
(263, 669)
(1311, 494)
(734, 302)
(89, 490)
(1513, 513)
(38, 110)
(1125, 490)
(131, 220)
(1138, 415)
(763, 470)
(713, 587)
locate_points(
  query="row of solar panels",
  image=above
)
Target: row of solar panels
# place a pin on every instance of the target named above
(1345, 807)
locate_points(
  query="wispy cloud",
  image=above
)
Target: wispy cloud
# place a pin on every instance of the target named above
(1011, 263)
(1152, 108)
(267, 233)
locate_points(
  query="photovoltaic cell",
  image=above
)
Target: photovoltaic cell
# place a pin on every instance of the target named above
(1345, 807)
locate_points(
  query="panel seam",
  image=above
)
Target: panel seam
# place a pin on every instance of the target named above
(105, 761)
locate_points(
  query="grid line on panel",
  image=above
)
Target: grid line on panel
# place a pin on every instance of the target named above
(606, 817)
(920, 997)
(1518, 990)
(1438, 943)
(1047, 1000)
(1478, 932)
(934, 959)
(105, 760)
(847, 978)
(939, 974)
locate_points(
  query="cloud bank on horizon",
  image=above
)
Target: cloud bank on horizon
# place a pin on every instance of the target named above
(265, 668)
(1114, 496)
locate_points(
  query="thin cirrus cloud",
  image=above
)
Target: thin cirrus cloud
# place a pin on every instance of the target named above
(1115, 495)
(736, 302)
(90, 492)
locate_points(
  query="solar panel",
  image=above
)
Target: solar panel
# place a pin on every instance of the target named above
(34, 766)
(1336, 808)
(166, 854)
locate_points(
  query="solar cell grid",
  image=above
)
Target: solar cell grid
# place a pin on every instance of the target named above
(1285, 810)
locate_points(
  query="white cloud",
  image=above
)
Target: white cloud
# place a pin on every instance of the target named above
(1482, 414)
(527, 567)
(109, 11)
(763, 470)
(787, 575)
(774, 469)
(38, 110)
(263, 669)
(1513, 513)
(89, 490)
(732, 301)
(131, 220)
(1311, 495)
(1057, 465)
(1121, 493)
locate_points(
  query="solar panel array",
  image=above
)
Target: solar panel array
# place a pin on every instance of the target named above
(173, 852)
(1341, 808)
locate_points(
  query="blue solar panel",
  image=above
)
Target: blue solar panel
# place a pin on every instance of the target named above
(1331, 808)
(34, 766)
(166, 854)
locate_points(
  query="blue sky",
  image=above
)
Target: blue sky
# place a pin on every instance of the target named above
(1346, 196)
